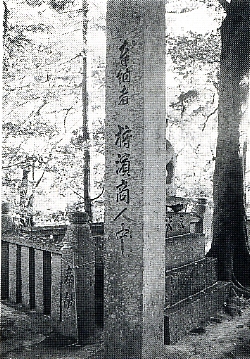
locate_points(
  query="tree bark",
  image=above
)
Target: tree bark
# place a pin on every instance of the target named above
(24, 189)
(229, 243)
(86, 166)
(5, 19)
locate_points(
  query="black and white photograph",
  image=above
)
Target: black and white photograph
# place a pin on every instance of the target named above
(125, 196)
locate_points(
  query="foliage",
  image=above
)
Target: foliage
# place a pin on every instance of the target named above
(193, 62)
(230, 245)
(43, 95)
(42, 88)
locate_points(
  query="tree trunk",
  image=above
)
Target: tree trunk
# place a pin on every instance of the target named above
(229, 243)
(5, 20)
(24, 189)
(86, 167)
(87, 199)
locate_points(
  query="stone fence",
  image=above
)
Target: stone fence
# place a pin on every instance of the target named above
(57, 271)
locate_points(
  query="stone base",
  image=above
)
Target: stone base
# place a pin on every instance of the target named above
(184, 249)
(189, 279)
(193, 311)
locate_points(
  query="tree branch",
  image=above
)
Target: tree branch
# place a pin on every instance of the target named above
(13, 165)
(75, 192)
(205, 123)
(20, 105)
(5, 22)
(37, 113)
(65, 117)
(94, 199)
(38, 182)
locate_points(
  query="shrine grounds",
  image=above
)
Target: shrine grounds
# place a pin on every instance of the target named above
(29, 335)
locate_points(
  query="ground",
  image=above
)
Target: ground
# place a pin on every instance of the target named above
(28, 335)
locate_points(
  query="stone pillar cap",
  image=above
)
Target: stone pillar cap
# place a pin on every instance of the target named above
(5, 207)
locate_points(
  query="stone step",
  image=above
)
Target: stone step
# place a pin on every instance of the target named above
(189, 279)
(193, 311)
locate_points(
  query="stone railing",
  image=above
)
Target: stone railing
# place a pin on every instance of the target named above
(177, 223)
(50, 233)
(30, 273)
(185, 241)
(59, 271)
(52, 271)
(182, 222)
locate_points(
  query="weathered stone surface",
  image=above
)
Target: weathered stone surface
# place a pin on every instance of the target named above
(177, 223)
(7, 225)
(58, 232)
(32, 277)
(135, 185)
(12, 272)
(39, 306)
(189, 279)
(56, 276)
(194, 311)
(41, 243)
(184, 249)
(18, 275)
(85, 282)
(4, 270)
(78, 279)
(68, 325)
(25, 276)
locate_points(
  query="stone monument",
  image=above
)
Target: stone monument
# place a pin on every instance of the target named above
(135, 182)
(78, 266)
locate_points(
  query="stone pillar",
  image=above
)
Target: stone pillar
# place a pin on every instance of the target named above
(68, 325)
(5, 270)
(12, 272)
(25, 276)
(39, 280)
(78, 271)
(56, 277)
(7, 225)
(135, 182)
(200, 209)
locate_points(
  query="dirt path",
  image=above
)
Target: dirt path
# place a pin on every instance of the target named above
(30, 335)
(229, 339)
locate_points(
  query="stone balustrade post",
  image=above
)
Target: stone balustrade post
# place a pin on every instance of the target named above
(200, 209)
(78, 269)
